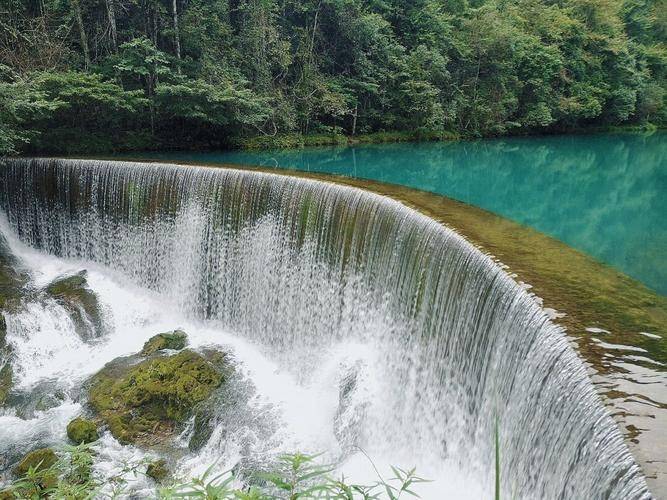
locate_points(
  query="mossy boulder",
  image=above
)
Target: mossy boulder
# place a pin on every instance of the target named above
(175, 340)
(143, 403)
(81, 430)
(40, 459)
(158, 471)
(73, 294)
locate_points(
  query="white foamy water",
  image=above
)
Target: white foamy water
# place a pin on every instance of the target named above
(295, 415)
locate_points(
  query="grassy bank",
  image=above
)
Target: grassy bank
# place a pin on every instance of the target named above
(69, 144)
(291, 141)
(296, 141)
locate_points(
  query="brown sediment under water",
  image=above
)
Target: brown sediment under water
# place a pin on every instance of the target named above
(616, 324)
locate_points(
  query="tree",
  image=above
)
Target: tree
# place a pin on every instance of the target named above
(20, 103)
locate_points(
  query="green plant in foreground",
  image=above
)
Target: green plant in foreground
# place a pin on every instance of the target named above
(70, 476)
(295, 476)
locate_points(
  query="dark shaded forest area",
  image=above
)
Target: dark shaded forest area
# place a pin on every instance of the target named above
(119, 75)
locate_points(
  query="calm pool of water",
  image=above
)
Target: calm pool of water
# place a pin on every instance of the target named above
(603, 194)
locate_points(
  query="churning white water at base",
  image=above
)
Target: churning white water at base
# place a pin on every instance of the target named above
(357, 327)
(284, 414)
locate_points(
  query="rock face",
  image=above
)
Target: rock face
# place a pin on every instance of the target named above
(11, 285)
(144, 402)
(73, 294)
(11, 279)
(81, 430)
(175, 340)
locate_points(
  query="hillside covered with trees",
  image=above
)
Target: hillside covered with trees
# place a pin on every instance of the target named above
(104, 75)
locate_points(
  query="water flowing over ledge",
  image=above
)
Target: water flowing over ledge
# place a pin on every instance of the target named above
(297, 265)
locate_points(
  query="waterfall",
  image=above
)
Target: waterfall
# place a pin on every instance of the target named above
(297, 267)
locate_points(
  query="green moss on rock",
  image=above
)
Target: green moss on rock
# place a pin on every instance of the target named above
(175, 340)
(40, 459)
(158, 471)
(81, 430)
(73, 294)
(142, 403)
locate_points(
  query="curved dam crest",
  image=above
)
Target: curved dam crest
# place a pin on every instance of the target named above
(296, 266)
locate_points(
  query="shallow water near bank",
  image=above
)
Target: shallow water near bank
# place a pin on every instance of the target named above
(603, 194)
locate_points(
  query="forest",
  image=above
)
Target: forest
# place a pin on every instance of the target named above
(92, 76)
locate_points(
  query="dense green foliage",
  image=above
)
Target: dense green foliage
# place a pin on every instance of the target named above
(93, 75)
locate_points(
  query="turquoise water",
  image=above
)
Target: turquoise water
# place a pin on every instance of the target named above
(603, 194)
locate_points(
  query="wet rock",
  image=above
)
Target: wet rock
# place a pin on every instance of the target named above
(40, 459)
(81, 430)
(6, 382)
(12, 279)
(3, 330)
(158, 471)
(43, 396)
(175, 340)
(224, 410)
(80, 301)
(6, 372)
(143, 402)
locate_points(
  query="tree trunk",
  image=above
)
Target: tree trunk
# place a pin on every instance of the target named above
(354, 118)
(82, 32)
(112, 25)
(177, 39)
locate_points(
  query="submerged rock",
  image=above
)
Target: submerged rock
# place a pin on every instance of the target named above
(143, 403)
(81, 430)
(80, 301)
(42, 396)
(175, 340)
(158, 471)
